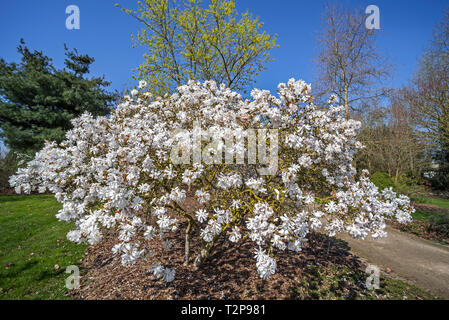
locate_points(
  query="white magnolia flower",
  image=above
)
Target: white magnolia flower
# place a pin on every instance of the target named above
(235, 235)
(158, 270)
(201, 215)
(142, 84)
(202, 196)
(266, 266)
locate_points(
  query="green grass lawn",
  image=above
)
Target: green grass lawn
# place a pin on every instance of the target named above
(32, 242)
(422, 215)
(443, 203)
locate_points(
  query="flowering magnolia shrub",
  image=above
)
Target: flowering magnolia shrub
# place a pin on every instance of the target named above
(130, 172)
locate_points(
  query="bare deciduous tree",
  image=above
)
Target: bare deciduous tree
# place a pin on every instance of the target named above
(349, 64)
(391, 142)
(431, 89)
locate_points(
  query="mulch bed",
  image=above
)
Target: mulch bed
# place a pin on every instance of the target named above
(7, 191)
(229, 273)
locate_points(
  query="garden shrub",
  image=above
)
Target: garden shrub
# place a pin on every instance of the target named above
(409, 186)
(131, 171)
(382, 180)
(439, 223)
(439, 179)
(403, 184)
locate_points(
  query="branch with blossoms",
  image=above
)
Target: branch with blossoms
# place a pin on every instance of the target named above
(121, 172)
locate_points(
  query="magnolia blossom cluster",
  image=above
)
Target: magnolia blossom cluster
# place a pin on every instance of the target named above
(117, 172)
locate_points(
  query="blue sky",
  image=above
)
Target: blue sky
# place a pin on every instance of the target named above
(406, 28)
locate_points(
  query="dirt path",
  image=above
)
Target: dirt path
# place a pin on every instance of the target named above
(419, 261)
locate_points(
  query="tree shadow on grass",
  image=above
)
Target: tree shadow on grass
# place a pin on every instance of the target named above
(15, 270)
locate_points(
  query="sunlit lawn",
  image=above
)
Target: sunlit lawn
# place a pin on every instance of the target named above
(34, 251)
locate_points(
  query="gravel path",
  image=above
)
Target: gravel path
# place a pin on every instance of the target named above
(419, 261)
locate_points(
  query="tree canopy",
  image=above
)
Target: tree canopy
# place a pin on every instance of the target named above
(187, 40)
(349, 65)
(37, 101)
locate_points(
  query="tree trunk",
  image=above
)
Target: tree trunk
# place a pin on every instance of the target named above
(187, 244)
(346, 103)
(396, 176)
(204, 254)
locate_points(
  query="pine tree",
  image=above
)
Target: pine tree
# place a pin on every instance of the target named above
(37, 101)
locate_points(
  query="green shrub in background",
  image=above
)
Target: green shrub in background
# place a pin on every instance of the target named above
(382, 180)
(409, 186)
(402, 184)
(8, 166)
(439, 179)
(439, 223)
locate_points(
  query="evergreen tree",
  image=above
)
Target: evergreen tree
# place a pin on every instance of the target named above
(37, 101)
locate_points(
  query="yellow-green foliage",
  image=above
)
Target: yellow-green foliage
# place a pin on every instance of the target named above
(187, 39)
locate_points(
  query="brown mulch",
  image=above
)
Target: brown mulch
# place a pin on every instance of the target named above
(229, 273)
(7, 191)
